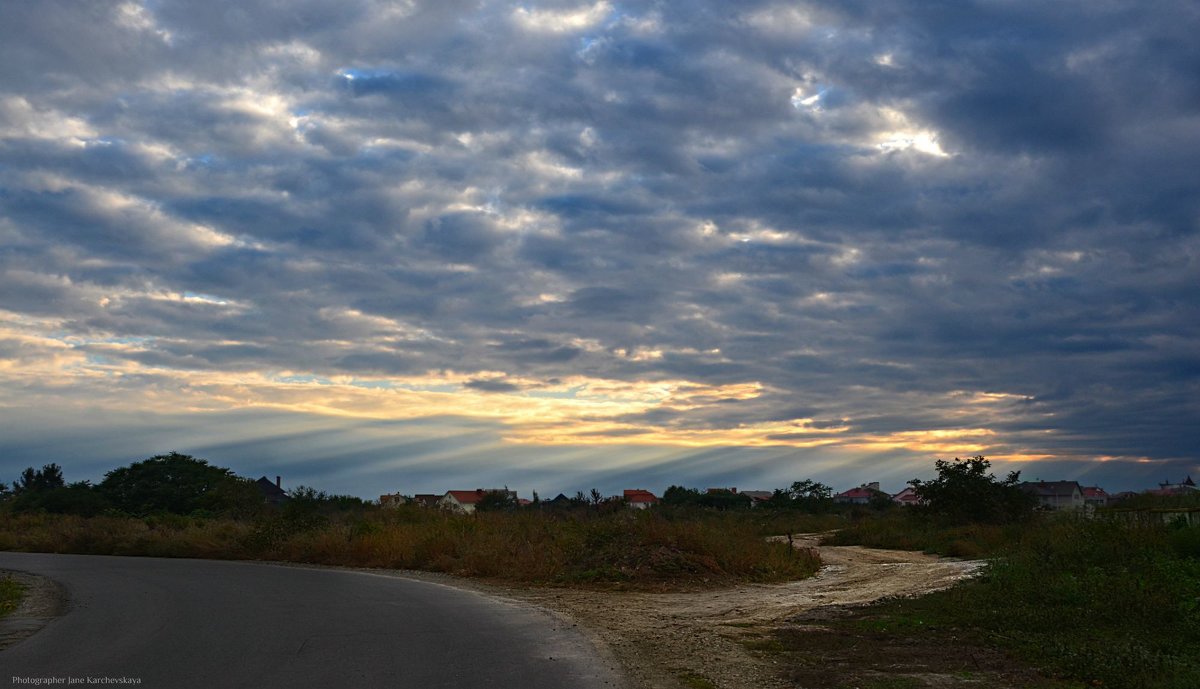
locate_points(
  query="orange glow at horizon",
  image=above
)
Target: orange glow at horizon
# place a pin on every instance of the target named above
(575, 410)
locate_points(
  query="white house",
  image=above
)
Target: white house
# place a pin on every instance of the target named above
(1055, 495)
(640, 499)
(466, 500)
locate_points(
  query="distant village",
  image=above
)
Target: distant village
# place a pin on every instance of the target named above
(1051, 495)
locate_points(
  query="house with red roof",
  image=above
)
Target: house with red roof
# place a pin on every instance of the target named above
(640, 499)
(466, 500)
(1094, 496)
(858, 496)
(907, 497)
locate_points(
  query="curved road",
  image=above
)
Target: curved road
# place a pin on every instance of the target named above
(199, 623)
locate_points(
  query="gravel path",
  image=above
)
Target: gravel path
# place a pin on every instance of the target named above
(659, 637)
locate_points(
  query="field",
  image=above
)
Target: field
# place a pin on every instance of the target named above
(615, 548)
(1060, 602)
(1091, 602)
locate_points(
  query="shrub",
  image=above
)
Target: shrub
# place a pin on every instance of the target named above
(965, 493)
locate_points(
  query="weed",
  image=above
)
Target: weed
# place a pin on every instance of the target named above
(890, 683)
(1098, 602)
(11, 591)
(763, 645)
(620, 548)
(692, 680)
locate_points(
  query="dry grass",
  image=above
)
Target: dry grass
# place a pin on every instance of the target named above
(621, 548)
(11, 591)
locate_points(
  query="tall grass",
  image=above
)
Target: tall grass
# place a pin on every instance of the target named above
(1097, 601)
(1111, 604)
(902, 530)
(623, 548)
(11, 591)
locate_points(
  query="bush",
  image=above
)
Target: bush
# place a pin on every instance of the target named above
(78, 498)
(179, 484)
(641, 549)
(965, 493)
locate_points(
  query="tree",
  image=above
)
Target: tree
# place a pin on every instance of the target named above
(678, 495)
(880, 501)
(79, 498)
(807, 495)
(45, 490)
(47, 478)
(497, 501)
(177, 483)
(724, 499)
(965, 492)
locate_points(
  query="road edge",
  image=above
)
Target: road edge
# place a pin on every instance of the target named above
(44, 601)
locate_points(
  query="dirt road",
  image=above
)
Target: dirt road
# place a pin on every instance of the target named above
(660, 638)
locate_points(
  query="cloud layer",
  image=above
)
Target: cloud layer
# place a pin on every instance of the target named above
(832, 229)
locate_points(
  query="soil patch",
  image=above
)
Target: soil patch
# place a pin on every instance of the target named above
(43, 601)
(724, 637)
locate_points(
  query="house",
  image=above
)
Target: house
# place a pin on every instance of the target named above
(393, 500)
(1055, 495)
(639, 499)
(1121, 497)
(858, 496)
(1095, 496)
(1186, 487)
(560, 501)
(426, 499)
(466, 500)
(273, 493)
(758, 497)
(907, 497)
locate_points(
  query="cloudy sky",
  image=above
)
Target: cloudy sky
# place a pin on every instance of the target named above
(382, 246)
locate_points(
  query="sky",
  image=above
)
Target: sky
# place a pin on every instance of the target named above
(403, 246)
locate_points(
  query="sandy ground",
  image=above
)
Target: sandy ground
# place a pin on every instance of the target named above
(659, 637)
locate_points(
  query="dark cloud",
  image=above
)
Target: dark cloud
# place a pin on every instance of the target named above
(492, 385)
(872, 211)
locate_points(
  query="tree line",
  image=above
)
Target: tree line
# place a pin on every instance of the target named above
(964, 491)
(173, 483)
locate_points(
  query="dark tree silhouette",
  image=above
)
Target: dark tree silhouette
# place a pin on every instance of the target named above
(177, 483)
(965, 492)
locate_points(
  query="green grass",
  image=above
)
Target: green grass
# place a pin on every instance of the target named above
(11, 592)
(621, 548)
(901, 530)
(692, 680)
(891, 683)
(1094, 602)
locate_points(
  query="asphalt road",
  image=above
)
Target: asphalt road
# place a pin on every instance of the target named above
(198, 623)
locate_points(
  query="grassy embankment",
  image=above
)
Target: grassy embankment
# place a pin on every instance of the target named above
(619, 548)
(1090, 602)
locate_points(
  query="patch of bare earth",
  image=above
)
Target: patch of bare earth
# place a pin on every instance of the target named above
(668, 640)
(42, 601)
